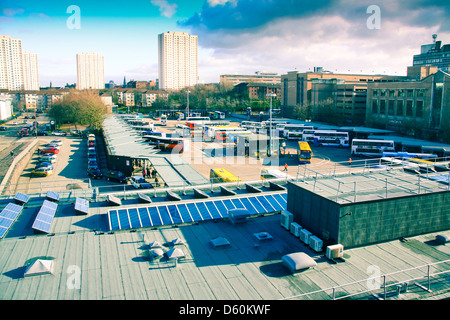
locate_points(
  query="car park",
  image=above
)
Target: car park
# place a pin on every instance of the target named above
(59, 133)
(140, 183)
(94, 173)
(117, 176)
(42, 172)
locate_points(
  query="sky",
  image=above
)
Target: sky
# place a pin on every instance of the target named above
(235, 36)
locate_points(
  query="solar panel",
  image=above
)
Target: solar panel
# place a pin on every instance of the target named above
(52, 196)
(165, 214)
(114, 200)
(45, 216)
(81, 206)
(144, 198)
(8, 216)
(21, 198)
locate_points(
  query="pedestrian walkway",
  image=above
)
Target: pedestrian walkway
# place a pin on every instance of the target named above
(6, 157)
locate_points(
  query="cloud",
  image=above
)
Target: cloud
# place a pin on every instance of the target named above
(165, 8)
(11, 12)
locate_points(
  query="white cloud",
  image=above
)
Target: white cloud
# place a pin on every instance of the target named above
(165, 8)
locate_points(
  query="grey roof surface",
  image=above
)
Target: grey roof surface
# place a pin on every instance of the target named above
(117, 265)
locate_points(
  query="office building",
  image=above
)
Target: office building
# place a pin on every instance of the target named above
(258, 77)
(434, 54)
(90, 71)
(11, 75)
(30, 68)
(414, 108)
(178, 60)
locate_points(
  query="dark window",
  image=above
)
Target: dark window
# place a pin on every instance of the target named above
(400, 107)
(409, 105)
(419, 109)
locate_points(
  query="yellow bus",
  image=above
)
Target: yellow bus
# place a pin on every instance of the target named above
(222, 175)
(304, 152)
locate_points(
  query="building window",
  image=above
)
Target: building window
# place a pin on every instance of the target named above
(409, 106)
(374, 106)
(383, 93)
(410, 93)
(421, 93)
(400, 107)
(391, 93)
(419, 109)
(382, 106)
(391, 107)
(375, 93)
(401, 93)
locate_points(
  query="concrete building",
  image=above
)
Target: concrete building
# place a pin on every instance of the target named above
(5, 107)
(258, 91)
(177, 60)
(434, 55)
(11, 63)
(90, 71)
(308, 89)
(30, 69)
(258, 77)
(415, 108)
(150, 96)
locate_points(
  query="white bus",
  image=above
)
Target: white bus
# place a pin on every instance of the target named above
(163, 120)
(294, 135)
(371, 147)
(331, 138)
(296, 128)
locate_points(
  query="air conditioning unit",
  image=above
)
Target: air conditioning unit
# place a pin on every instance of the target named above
(315, 243)
(286, 219)
(295, 229)
(304, 236)
(335, 251)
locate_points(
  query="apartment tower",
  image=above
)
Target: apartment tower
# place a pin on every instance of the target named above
(30, 71)
(90, 71)
(178, 60)
(11, 75)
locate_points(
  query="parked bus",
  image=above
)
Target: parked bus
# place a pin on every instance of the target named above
(220, 114)
(222, 175)
(170, 144)
(273, 173)
(304, 152)
(251, 124)
(163, 120)
(331, 138)
(180, 115)
(373, 148)
(295, 128)
(294, 135)
(218, 133)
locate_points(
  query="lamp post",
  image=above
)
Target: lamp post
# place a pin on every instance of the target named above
(187, 91)
(271, 95)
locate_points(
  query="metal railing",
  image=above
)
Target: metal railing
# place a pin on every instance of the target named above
(381, 291)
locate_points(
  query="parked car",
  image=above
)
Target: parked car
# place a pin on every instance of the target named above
(140, 183)
(94, 173)
(59, 133)
(58, 142)
(113, 175)
(43, 172)
(44, 165)
(51, 145)
(42, 133)
(3, 128)
(49, 150)
(15, 123)
(47, 158)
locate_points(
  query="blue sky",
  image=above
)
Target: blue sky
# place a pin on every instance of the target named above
(235, 36)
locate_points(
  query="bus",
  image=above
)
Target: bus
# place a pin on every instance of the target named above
(170, 144)
(295, 128)
(304, 152)
(163, 120)
(179, 115)
(218, 133)
(231, 136)
(220, 114)
(373, 148)
(293, 135)
(222, 175)
(251, 124)
(274, 173)
(331, 138)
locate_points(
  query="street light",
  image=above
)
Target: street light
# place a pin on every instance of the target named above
(271, 95)
(187, 91)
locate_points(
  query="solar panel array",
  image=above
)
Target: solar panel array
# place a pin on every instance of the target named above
(52, 196)
(45, 217)
(8, 215)
(81, 206)
(168, 214)
(21, 198)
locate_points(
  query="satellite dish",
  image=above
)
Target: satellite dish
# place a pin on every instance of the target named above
(434, 37)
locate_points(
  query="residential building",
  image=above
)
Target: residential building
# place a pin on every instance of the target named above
(90, 71)
(11, 65)
(141, 84)
(178, 60)
(416, 108)
(125, 97)
(150, 96)
(30, 71)
(5, 107)
(258, 77)
(434, 55)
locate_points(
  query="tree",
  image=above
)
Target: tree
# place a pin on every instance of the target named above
(80, 107)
